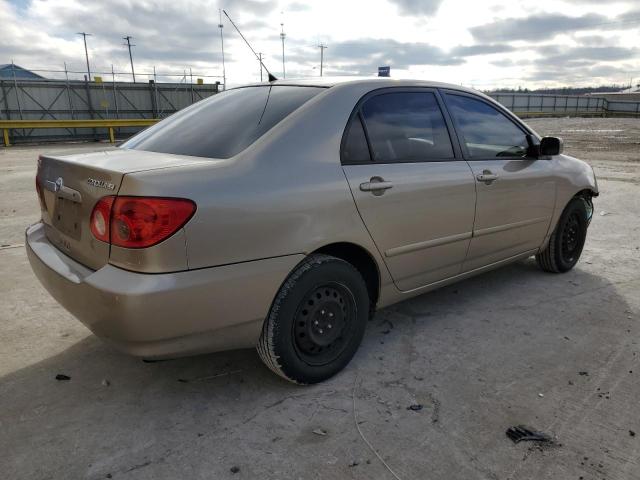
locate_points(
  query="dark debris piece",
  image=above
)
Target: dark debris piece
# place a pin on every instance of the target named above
(522, 433)
(62, 376)
(583, 374)
(416, 408)
(234, 469)
(632, 433)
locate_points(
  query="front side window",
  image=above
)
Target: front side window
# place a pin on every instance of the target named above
(225, 124)
(486, 132)
(406, 127)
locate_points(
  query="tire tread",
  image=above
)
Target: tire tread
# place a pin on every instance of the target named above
(265, 345)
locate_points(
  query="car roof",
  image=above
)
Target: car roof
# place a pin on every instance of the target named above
(375, 82)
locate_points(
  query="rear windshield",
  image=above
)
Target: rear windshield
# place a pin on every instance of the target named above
(225, 124)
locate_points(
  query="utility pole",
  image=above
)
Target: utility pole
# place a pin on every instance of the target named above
(282, 37)
(260, 61)
(128, 44)
(86, 52)
(224, 74)
(322, 48)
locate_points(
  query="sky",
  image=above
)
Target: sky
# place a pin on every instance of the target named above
(479, 43)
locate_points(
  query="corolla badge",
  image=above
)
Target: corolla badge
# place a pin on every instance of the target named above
(101, 184)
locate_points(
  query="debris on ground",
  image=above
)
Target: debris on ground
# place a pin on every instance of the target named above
(208, 377)
(105, 382)
(415, 407)
(234, 469)
(354, 464)
(632, 433)
(522, 433)
(603, 213)
(583, 374)
(319, 431)
(541, 395)
(62, 376)
(389, 326)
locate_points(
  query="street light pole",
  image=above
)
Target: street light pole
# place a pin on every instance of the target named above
(86, 52)
(283, 36)
(224, 74)
(128, 39)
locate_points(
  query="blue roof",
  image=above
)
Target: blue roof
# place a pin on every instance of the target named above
(8, 70)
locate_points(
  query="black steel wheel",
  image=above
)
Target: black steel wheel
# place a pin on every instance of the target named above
(567, 240)
(316, 322)
(323, 323)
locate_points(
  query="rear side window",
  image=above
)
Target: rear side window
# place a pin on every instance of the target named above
(225, 124)
(406, 127)
(355, 148)
(487, 133)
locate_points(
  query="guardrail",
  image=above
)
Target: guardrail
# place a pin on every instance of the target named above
(7, 125)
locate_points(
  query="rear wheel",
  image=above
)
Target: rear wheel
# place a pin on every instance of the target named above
(316, 322)
(567, 240)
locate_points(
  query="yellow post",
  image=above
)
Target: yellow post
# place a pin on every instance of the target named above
(5, 134)
(111, 137)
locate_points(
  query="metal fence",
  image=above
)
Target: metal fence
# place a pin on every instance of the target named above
(530, 104)
(80, 100)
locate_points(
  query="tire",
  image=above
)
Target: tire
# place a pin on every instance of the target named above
(316, 321)
(567, 239)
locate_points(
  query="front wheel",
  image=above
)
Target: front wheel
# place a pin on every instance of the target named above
(316, 322)
(567, 240)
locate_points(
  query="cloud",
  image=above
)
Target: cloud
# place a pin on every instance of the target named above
(474, 50)
(298, 7)
(417, 7)
(559, 55)
(535, 27)
(365, 55)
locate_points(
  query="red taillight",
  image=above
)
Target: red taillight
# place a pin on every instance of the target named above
(101, 218)
(138, 222)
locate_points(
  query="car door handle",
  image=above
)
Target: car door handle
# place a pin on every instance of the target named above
(376, 185)
(487, 177)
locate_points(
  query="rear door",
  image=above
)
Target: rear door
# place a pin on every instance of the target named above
(515, 190)
(414, 192)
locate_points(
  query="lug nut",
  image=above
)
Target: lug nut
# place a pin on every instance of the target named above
(315, 322)
(329, 325)
(320, 331)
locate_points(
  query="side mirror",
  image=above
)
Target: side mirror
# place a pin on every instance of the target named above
(550, 146)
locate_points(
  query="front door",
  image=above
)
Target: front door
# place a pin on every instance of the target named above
(415, 194)
(515, 192)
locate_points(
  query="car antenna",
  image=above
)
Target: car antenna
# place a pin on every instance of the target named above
(272, 78)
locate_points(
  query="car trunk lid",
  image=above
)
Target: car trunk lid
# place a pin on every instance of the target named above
(70, 186)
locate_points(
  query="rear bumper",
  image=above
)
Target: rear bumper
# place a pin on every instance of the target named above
(162, 315)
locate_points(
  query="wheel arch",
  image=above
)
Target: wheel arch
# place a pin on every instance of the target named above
(362, 260)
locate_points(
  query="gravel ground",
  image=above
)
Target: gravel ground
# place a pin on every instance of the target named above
(515, 346)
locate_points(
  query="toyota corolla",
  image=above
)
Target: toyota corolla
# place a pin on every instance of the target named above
(281, 215)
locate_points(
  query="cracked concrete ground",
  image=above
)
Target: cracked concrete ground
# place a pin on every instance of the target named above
(560, 353)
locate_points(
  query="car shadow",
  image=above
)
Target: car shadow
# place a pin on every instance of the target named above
(118, 415)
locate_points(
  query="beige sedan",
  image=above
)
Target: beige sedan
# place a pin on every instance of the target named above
(281, 215)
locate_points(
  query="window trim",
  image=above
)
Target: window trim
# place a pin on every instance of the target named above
(357, 111)
(499, 108)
